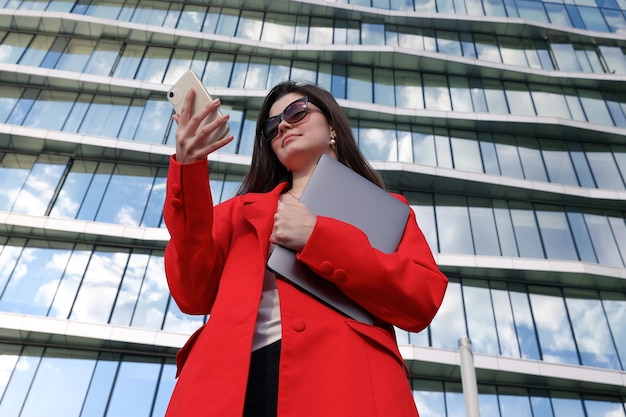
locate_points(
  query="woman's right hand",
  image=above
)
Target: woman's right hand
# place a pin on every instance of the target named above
(193, 138)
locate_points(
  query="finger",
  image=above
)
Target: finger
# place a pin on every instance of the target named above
(215, 125)
(220, 143)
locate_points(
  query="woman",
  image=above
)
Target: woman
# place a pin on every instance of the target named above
(269, 349)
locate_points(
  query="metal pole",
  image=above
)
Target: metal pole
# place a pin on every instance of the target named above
(468, 378)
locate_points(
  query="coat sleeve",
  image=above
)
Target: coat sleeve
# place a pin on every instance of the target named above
(404, 288)
(193, 258)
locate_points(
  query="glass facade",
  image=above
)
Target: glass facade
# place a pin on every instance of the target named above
(502, 122)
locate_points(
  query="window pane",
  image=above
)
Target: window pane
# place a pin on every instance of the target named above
(218, 70)
(249, 26)
(17, 390)
(455, 235)
(448, 326)
(556, 235)
(321, 31)
(448, 43)
(74, 188)
(59, 377)
(153, 64)
(72, 274)
(422, 205)
(509, 160)
(505, 325)
(466, 154)
(567, 404)
(126, 195)
(483, 227)
(436, 92)
(153, 120)
(489, 156)
(565, 57)
(514, 402)
(429, 398)
(104, 116)
(256, 75)
(40, 185)
(191, 17)
(603, 240)
(595, 107)
(591, 329)
(50, 110)
(487, 48)
(582, 239)
(550, 102)
(372, 34)
(35, 279)
(615, 308)
(99, 286)
(558, 163)
(603, 167)
(103, 57)
(129, 289)
(383, 87)
(461, 94)
(37, 50)
(408, 87)
(76, 55)
(134, 390)
(378, 144)
(553, 327)
(494, 94)
(506, 234)
(592, 16)
(13, 46)
(526, 233)
(153, 298)
(512, 51)
(614, 59)
(524, 323)
(14, 170)
(480, 317)
(604, 408)
(519, 100)
(424, 147)
(278, 28)
(360, 84)
(532, 163)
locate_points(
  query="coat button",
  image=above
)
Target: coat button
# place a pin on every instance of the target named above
(176, 189)
(177, 203)
(339, 276)
(298, 325)
(326, 267)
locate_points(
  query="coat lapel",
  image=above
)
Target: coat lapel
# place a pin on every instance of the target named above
(258, 209)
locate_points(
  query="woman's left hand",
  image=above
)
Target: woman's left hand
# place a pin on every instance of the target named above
(293, 224)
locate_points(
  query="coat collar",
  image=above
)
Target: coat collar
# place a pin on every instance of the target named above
(259, 209)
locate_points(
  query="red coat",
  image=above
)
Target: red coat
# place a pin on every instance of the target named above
(330, 365)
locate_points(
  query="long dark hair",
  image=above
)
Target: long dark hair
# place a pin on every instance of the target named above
(266, 171)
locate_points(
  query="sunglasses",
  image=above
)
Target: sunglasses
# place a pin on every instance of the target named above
(293, 113)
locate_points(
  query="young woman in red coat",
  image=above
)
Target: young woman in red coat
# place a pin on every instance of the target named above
(269, 349)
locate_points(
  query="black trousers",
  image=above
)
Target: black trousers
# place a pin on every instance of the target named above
(262, 391)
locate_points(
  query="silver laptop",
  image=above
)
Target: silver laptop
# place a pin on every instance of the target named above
(336, 191)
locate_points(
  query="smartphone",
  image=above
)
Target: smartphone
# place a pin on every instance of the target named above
(176, 97)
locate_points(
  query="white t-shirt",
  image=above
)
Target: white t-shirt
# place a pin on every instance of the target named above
(267, 329)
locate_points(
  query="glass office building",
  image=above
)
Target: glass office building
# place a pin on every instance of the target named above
(502, 121)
